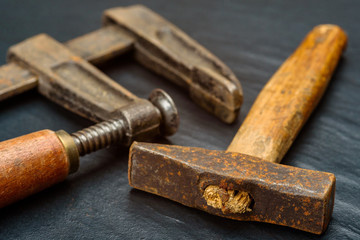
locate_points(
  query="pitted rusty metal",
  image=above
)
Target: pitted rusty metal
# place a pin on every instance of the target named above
(155, 43)
(280, 194)
(228, 200)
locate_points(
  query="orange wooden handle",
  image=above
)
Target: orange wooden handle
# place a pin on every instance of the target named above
(287, 100)
(29, 164)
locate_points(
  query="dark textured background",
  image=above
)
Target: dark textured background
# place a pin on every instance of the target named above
(253, 38)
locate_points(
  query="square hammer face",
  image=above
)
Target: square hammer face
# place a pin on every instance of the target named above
(214, 180)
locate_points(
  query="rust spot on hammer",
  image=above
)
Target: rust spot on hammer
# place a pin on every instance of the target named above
(229, 201)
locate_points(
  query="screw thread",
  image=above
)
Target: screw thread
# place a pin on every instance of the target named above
(98, 136)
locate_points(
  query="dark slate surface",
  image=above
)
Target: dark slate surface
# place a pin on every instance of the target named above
(253, 38)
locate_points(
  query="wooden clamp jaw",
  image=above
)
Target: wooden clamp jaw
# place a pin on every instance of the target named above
(77, 85)
(61, 73)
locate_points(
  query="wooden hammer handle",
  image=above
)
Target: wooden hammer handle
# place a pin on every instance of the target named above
(287, 100)
(29, 164)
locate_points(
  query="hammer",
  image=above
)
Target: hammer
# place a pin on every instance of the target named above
(245, 182)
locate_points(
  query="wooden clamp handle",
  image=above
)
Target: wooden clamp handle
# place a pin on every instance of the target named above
(29, 164)
(287, 100)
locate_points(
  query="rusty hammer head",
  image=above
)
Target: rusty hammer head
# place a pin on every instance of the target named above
(215, 182)
(61, 72)
(244, 182)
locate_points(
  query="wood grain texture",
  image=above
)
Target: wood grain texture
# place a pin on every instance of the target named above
(287, 100)
(168, 51)
(29, 164)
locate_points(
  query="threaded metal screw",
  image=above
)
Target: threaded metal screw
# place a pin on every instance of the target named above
(105, 133)
(98, 136)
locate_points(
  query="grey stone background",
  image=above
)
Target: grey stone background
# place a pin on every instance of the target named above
(253, 38)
